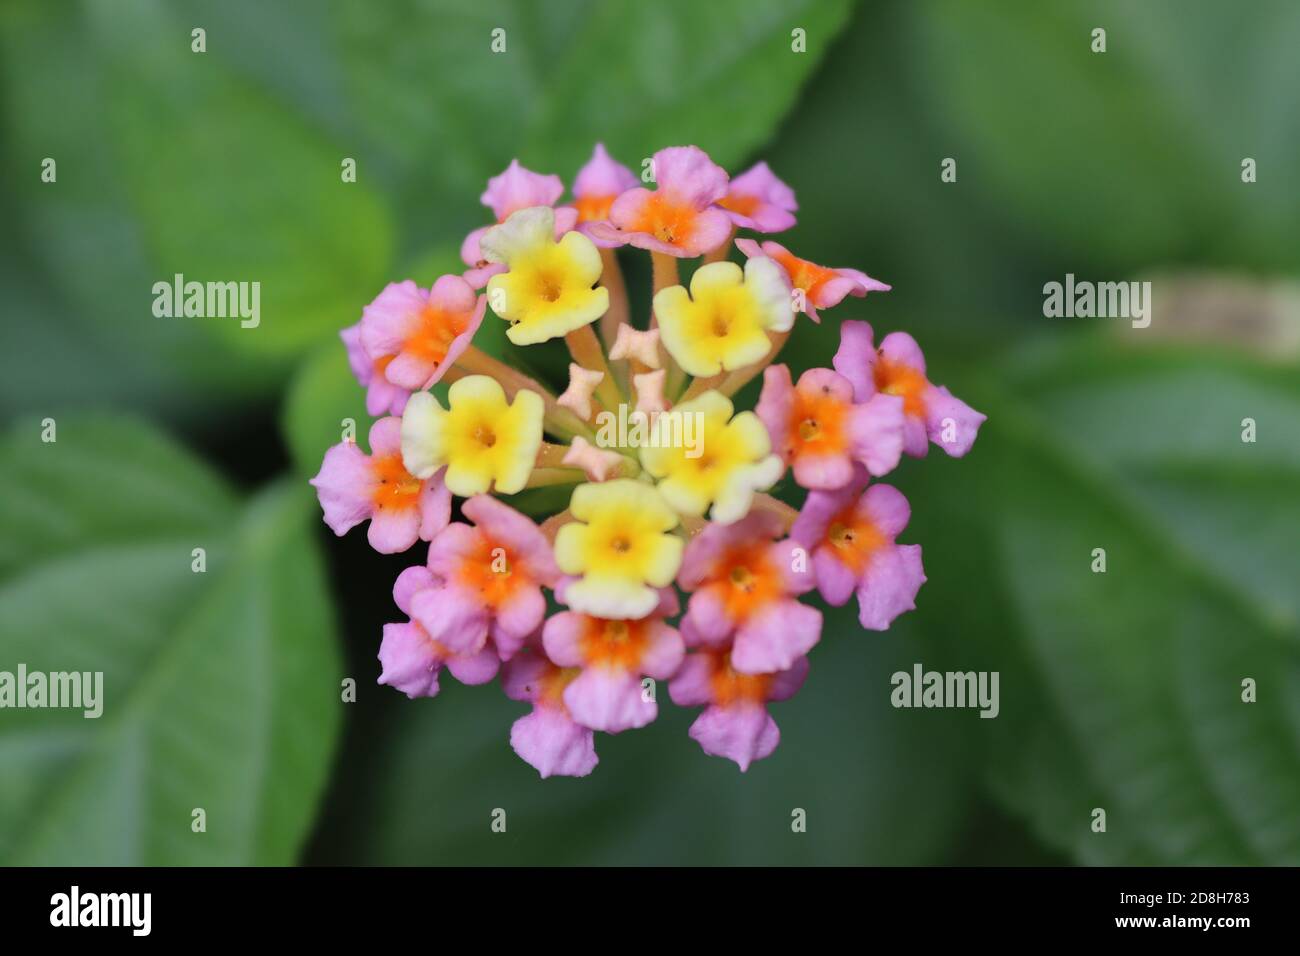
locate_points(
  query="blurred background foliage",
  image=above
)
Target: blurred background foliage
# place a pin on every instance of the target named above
(1119, 690)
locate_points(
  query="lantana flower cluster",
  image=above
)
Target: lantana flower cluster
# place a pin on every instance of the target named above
(672, 563)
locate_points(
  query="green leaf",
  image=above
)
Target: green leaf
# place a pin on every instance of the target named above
(424, 81)
(220, 689)
(1126, 691)
(197, 169)
(1100, 153)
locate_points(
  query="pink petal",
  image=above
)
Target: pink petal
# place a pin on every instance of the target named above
(942, 410)
(692, 685)
(664, 652)
(785, 684)
(775, 637)
(454, 616)
(410, 660)
(901, 349)
(856, 358)
(522, 676)
(687, 173)
(603, 176)
(393, 530)
(474, 669)
(344, 485)
(517, 533)
(889, 585)
(887, 509)
(553, 744)
(608, 700)
(435, 506)
(410, 581)
(835, 580)
(875, 431)
(562, 636)
(743, 733)
(519, 188)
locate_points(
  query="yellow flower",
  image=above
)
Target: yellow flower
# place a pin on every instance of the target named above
(723, 324)
(722, 461)
(622, 547)
(547, 291)
(481, 437)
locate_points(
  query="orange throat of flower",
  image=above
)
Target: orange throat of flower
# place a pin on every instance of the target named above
(894, 378)
(435, 330)
(853, 539)
(593, 208)
(491, 572)
(730, 687)
(817, 424)
(747, 581)
(395, 488)
(666, 220)
(615, 644)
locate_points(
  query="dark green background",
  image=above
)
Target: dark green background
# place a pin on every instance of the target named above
(1119, 691)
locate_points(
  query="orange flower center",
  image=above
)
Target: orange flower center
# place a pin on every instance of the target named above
(434, 332)
(396, 489)
(894, 378)
(740, 205)
(746, 581)
(816, 423)
(854, 538)
(490, 570)
(593, 208)
(615, 644)
(730, 687)
(665, 220)
(550, 686)
(804, 274)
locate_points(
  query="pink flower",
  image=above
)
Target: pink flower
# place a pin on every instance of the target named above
(758, 200)
(735, 723)
(678, 218)
(486, 581)
(516, 188)
(417, 334)
(817, 428)
(822, 286)
(744, 583)
(353, 486)
(850, 536)
(412, 659)
(614, 656)
(382, 396)
(931, 412)
(596, 187)
(548, 738)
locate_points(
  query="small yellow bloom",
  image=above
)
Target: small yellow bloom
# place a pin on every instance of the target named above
(481, 437)
(723, 324)
(622, 546)
(723, 464)
(547, 291)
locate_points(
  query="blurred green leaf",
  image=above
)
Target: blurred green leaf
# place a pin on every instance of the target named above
(1126, 687)
(423, 81)
(220, 689)
(1134, 155)
(196, 170)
